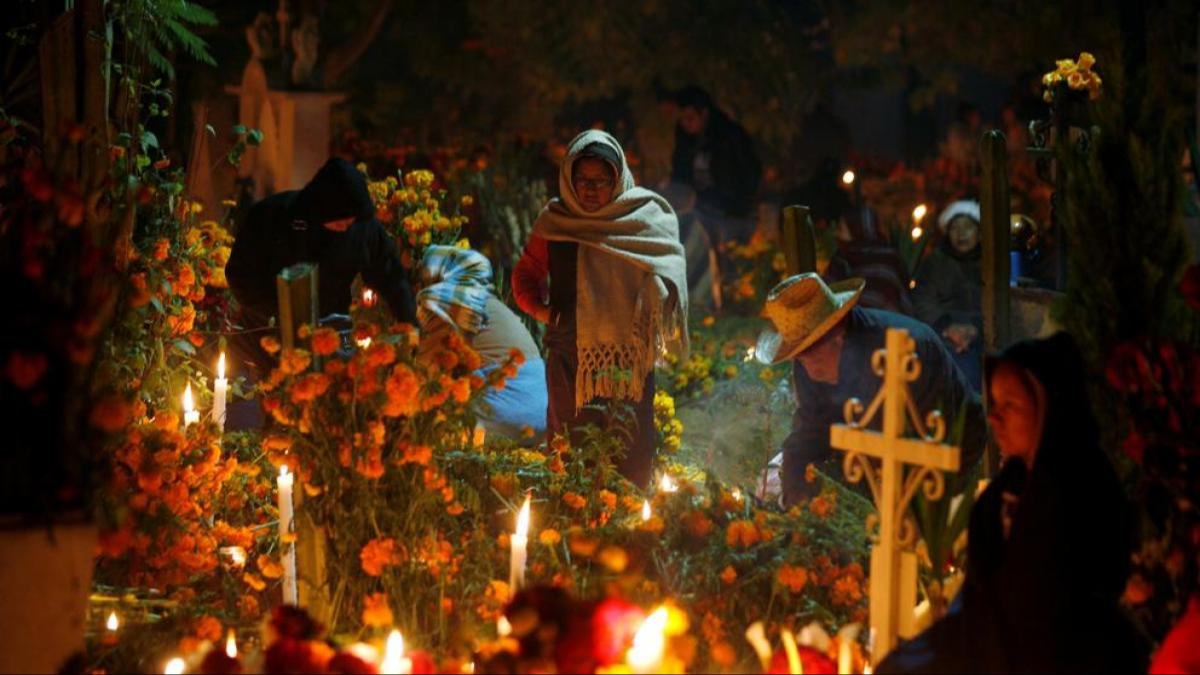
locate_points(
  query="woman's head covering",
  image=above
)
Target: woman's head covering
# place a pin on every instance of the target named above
(456, 284)
(593, 143)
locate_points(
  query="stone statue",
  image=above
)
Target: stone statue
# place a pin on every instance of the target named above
(306, 42)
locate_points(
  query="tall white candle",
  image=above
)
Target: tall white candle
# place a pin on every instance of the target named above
(190, 414)
(220, 394)
(395, 662)
(291, 593)
(520, 549)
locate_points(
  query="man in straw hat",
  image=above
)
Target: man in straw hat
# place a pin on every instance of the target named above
(831, 341)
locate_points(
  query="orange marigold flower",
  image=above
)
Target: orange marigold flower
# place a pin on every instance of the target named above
(403, 392)
(310, 387)
(380, 354)
(793, 578)
(742, 534)
(371, 467)
(729, 576)
(208, 628)
(295, 361)
(254, 581)
(821, 507)
(417, 454)
(111, 414)
(847, 591)
(269, 567)
(162, 248)
(248, 606)
(550, 537)
(609, 500)
(697, 524)
(576, 502)
(376, 612)
(325, 341)
(270, 344)
(376, 555)
(583, 545)
(615, 558)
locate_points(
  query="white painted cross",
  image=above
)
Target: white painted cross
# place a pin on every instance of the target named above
(893, 484)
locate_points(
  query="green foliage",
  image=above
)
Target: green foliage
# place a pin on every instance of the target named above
(155, 26)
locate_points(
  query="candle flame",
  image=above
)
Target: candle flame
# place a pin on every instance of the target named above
(737, 495)
(284, 471)
(646, 512)
(393, 655)
(523, 520)
(917, 233)
(231, 649)
(364, 343)
(504, 627)
(867, 670)
(668, 484)
(848, 177)
(175, 666)
(795, 665)
(221, 367)
(368, 297)
(113, 622)
(920, 212)
(189, 403)
(650, 643)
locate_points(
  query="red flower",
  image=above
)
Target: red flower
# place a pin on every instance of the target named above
(1190, 287)
(1128, 369)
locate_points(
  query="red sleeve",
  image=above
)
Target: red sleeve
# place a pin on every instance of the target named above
(529, 276)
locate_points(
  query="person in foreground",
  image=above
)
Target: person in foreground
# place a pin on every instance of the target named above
(617, 296)
(456, 297)
(1049, 538)
(832, 341)
(330, 222)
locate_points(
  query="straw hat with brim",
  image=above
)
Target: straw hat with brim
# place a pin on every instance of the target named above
(802, 310)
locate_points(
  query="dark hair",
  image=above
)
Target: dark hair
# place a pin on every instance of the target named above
(601, 152)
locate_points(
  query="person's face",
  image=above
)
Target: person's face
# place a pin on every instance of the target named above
(593, 182)
(693, 120)
(1013, 413)
(963, 233)
(823, 360)
(340, 225)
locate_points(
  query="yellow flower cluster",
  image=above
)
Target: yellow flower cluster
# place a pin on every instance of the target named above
(670, 429)
(1078, 75)
(414, 211)
(697, 371)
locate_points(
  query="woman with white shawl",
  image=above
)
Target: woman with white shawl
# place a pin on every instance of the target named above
(615, 302)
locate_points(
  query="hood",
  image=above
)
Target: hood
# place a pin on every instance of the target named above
(1069, 426)
(338, 191)
(610, 149)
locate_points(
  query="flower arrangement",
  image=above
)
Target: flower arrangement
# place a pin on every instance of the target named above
(416, 211)
(1076, 75)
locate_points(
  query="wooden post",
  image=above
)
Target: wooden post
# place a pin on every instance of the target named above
(60, 86)
(298, 303)
(893, 483)
(799, 240)
(997, 265)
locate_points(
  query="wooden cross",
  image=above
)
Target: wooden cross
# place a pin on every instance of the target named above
(893, 484)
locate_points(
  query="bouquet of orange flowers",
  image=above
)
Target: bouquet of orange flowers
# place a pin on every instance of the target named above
(1077, 75)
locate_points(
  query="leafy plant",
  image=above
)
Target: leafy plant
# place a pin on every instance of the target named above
(155, 26)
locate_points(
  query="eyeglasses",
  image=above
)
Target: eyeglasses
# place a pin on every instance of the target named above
(598, 184)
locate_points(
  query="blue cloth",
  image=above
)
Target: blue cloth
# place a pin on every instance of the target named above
(521, 404)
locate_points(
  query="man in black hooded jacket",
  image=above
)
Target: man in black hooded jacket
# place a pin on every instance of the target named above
(330, 222)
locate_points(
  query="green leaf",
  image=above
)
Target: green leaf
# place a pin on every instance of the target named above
(239, 129)
(185, 347)
(255, 137)
(149, 140)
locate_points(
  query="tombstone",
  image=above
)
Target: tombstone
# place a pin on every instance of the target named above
(895, 467)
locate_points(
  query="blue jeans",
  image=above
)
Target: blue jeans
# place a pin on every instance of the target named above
(520, 405)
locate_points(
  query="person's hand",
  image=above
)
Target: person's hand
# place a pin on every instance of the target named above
(961, 336)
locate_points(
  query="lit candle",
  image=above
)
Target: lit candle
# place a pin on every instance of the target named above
(231, 649)
(795, 665)
(503, 627)
(917, 233)
(190, 414)
(650, 644)
(290, 590)
(919, 213)
(113, 623)
(364, 343)
(220, 393)
(848, 177)
(845, 658)
(646, 512)
(368, 298)
(668, 485)
(175, 666)
(394, 660)
(520, 549)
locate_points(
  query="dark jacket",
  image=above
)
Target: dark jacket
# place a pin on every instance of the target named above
(1045, 597)
(288, 228)
(734, 166)
(950, 288)
(941, 386)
